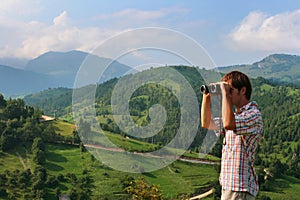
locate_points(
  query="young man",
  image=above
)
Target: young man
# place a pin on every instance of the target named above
(243, 129)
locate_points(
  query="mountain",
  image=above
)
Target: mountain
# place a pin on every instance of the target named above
(56, 63)
(18, 63)
(277, 67)
(55, 69)
(63, 66)
(20, 82)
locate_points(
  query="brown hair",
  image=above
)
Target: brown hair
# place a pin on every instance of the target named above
(239, 80)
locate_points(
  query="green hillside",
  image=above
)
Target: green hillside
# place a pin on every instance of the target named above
(52, 101)
(277, 67)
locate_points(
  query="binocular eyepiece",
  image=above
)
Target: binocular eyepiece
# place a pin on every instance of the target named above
(213, 88)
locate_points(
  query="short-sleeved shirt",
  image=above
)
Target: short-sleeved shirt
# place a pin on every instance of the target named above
(237, 165)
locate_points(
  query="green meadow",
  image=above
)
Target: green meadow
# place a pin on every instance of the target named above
(175, 180)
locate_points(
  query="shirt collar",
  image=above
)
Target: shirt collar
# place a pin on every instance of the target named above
(248, 106)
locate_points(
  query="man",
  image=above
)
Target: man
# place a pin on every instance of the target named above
(243, 129)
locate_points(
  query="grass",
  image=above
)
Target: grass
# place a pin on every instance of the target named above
(9, 161)
(192, 154)
(64, 128)
(266, 87)
(292, 91)
(177, 178)
(284, 188)
(62, 159)
(182, 178)
(128, 143)
(174, 179)
(67, 118)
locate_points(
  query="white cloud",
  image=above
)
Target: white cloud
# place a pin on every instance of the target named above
(261, 32)
(22, 7)
(61, 20)
(133, 14)
(28, 39)
(139, 18)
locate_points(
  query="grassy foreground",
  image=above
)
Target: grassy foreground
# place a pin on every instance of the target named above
(177, 178)
(174, 179)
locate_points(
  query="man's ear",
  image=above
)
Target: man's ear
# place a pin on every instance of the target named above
(243, 90)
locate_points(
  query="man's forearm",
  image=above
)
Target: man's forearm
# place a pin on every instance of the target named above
(205, 111)
(227, 113)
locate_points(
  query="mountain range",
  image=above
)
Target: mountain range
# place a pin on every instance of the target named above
(282, 68)
(59, 69)
(54, 69)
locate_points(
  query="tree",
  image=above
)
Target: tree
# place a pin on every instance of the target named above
(49, 132)
(30, 129)
(2, 101)
(76, 138)
(38, 144)
(277, 168)
(81, 188)
(40, 173)
(140, 190)
(39, 157)
(6, 142)
(15, 108)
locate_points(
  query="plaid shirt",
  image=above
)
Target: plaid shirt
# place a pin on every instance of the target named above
(237, 170)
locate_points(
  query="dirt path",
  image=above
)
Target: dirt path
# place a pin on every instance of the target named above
(185, 159)
(21, 160)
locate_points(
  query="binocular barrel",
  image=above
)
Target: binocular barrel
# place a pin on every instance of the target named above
(213, 88)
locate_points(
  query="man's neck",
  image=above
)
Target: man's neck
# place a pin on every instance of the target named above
(242, 104)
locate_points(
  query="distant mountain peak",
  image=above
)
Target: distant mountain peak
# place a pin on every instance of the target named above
(277, 59)
(283, 68)
(52, 61)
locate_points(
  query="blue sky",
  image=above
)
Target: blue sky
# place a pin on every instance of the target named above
(231, 31)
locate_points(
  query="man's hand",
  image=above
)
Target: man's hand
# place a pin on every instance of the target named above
(225, 88)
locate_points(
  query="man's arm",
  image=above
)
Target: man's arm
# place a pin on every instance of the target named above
(228, 116)
(206, 115)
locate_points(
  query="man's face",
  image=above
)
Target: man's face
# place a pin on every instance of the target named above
(234, 94)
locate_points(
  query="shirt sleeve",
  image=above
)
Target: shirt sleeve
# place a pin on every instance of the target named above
(219, 124)
(249, 122)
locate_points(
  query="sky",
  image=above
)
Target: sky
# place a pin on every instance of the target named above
(231, 32)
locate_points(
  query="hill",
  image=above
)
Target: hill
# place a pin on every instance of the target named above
(53, 101)
(277, 103)
(281, 68)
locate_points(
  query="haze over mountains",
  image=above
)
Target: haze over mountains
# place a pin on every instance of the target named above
(53, 69)
(59, 69)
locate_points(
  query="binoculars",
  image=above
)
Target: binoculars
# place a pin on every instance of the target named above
(213, 88)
